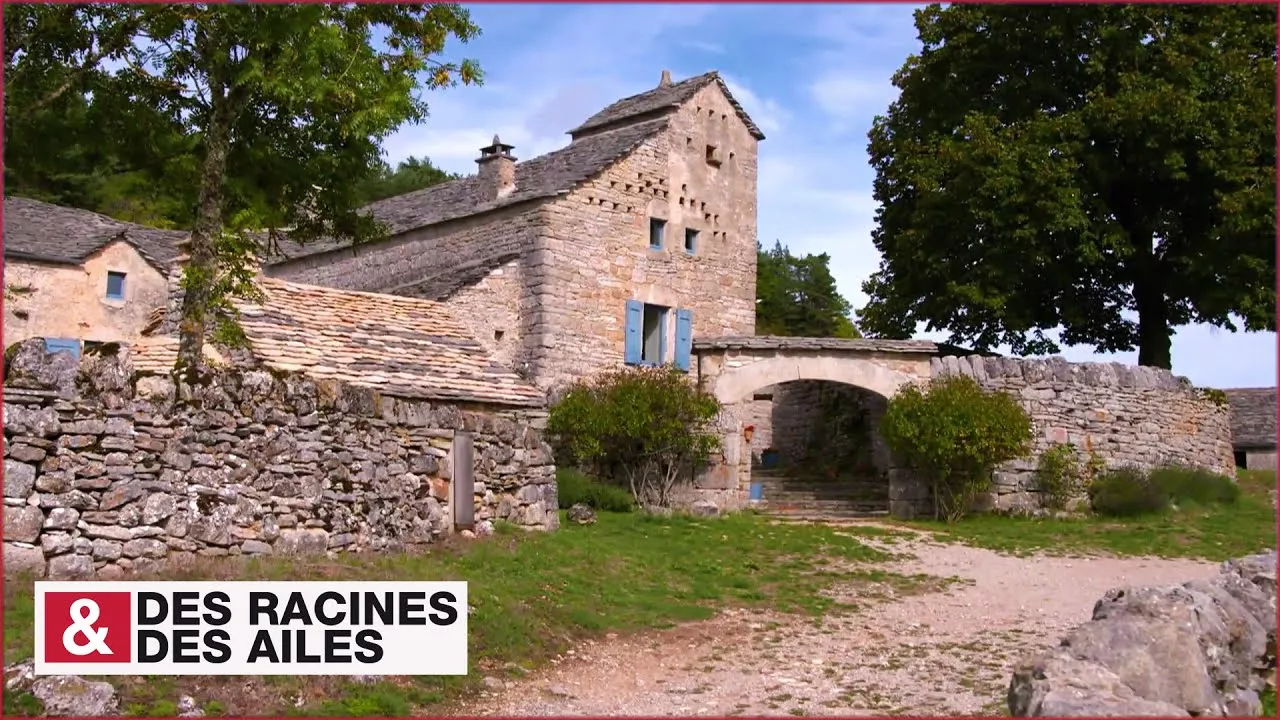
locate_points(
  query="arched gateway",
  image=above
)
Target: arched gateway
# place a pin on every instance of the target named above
(732, 369)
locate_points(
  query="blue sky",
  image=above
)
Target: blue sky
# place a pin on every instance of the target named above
(812, 76)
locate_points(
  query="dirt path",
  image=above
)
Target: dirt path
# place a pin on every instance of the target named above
(938, 653)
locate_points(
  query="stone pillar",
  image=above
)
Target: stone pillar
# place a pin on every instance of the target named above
(909, 495)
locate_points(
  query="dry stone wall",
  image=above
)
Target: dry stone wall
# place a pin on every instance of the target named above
(1203, 648)
(107, 471)
(1127, 415)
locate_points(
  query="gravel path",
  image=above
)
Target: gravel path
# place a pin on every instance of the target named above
(944, 652)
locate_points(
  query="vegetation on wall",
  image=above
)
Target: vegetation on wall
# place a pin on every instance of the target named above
(1110, 175)
(258, 115)
(796, 296)
(954, 434)
(648, 426)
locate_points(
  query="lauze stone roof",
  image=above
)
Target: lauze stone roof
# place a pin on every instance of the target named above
(662, 99)
(35, 230)
(1253, 417)
(400, 346)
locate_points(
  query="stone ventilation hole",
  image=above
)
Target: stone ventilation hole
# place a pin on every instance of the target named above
(613, 184)
(630, 187)
(688, 141)
(497, 334)
(731, 156)
(684, 188)
(681, 201)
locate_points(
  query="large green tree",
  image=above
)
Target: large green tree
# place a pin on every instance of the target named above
(270, 111)
(797, 296)
(1076, 166)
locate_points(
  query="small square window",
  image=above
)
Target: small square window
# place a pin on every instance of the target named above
(657, 231)
(115, 285)
(690, 240)
(713, 155)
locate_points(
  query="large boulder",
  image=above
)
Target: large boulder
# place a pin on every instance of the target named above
(1202, 648)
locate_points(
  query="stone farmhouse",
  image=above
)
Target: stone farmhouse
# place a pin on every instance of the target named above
(622, 247)
(1253, 427)
(77, 278)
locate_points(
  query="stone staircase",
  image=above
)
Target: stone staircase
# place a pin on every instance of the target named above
(797, 497)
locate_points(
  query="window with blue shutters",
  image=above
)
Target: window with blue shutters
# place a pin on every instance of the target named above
(115, 285)
(66, 345)
(646, 334)
(684, 338)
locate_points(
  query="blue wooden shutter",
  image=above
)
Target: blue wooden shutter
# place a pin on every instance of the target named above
(684, 338)
(67, 345)
(635, 323)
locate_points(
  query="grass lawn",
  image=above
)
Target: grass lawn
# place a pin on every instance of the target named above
(1214, 533)
(533, 595)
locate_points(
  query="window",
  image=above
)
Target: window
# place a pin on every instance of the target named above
(115, 285)
(646, 335)
(713, 156)
(66, 345)
(657, 229)
(690, 240)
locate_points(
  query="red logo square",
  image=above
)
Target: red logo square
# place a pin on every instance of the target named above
(88, 627)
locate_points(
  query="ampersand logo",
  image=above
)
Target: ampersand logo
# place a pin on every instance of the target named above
(88, 627)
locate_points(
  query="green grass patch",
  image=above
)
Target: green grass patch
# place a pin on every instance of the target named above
(533, 596)
(1212, 531)
(573, 487)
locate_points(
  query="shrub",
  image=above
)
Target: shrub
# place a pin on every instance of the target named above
(1126, 492)
(575, 486)
(651, 425)
(1194, 485)
(955, 434)
(1059, 476)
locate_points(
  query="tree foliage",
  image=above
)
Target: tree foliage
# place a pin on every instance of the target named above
(264, 113)
(651, 425)
(954, 434)
(797, 296)
(1074, 166)
(409, 175)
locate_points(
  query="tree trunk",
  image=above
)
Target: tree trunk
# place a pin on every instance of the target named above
(199, 274)
(1155, 344)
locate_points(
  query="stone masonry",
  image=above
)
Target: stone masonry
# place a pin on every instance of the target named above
(108, 469)
(1128, 415)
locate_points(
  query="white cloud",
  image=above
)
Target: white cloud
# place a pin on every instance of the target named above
(767, 113)
(850, 100)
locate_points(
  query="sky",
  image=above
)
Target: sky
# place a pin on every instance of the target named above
(813, 77)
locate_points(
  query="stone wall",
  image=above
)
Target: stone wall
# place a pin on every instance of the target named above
(107, 470)
(1204, 648)
(597, 243)
(67, 301)
(1128, 415)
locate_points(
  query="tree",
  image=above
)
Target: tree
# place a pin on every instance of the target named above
(270, 111)
(1066, 166)
(411, 174)
(650, 424)
(797, 297)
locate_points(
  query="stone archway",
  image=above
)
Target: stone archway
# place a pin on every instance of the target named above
(732, 369)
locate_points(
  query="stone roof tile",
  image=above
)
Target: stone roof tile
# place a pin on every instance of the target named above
(400, 346)
(1253, 417)
(660, 100)
(548, 175)
(46, 232)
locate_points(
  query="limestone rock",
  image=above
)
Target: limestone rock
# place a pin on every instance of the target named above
(72, 696)
(23, 524)
(582, 514)
(23, 560)
(704, 508)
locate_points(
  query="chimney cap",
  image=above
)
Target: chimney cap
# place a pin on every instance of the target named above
(496, 148)
(666, 79)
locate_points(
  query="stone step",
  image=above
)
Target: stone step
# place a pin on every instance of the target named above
(820, 506)
(782, 496)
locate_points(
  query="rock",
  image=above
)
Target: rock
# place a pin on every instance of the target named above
(71, 567)
(493, 683)
(658, 510)
(62, 519)
(19, 478)
(704, 508)
(188, 707)
(582, 514)
(484, 528)
(145, 547)
(22, 560)
(255, 547)
(558, 691)
(467, 534)
(1059, 685)
(71, 696)
(157, 507)
(23, 524)
(302, 542)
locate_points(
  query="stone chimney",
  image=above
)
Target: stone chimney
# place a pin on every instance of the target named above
(666, 79)
(497, 170)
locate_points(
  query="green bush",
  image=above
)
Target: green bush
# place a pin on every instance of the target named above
(1059, 476)
(573, 487)
(1126, 492)
(1194, 485)
(651, 426)
(954, 433)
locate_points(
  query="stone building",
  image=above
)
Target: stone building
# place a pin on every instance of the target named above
(352, 421)
(76, 278)
(623, 246)
(1253, 427)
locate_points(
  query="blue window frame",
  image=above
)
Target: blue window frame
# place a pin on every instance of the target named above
(115, 285)
(646, 335)
(690, 241)
(66, 345)
(657, 233)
